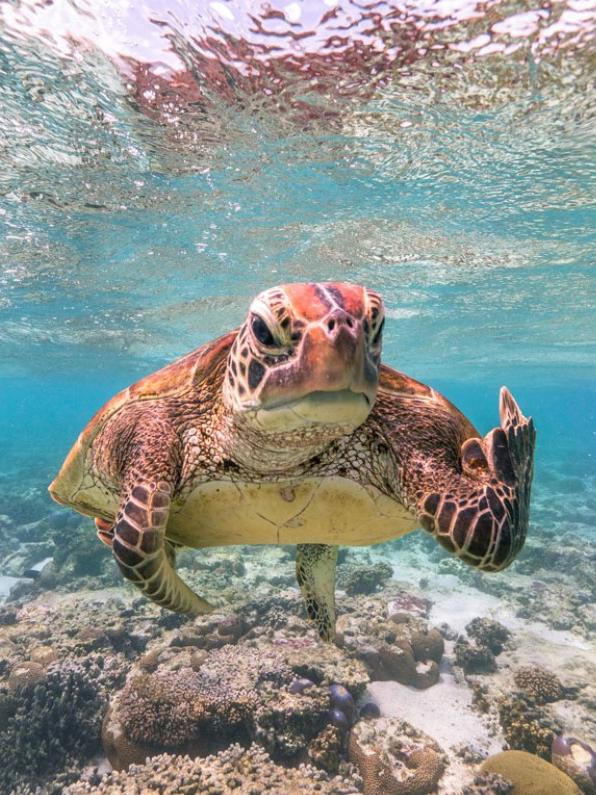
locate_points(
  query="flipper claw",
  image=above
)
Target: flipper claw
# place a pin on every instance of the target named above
(509, 412)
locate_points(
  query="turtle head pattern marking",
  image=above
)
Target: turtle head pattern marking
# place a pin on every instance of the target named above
(307, 355)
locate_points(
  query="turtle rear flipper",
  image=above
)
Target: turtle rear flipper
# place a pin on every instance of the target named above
(144, 555)
(315, 572)
(483, 516)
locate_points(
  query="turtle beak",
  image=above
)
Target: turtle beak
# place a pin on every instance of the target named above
(333, 358)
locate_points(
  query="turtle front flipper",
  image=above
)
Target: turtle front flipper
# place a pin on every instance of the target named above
(315, 572)
(482, 514)
(144, 555)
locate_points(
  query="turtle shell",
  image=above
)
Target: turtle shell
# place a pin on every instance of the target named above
(173, 379)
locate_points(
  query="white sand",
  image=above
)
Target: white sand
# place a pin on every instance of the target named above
(443, 711)
(6, 583)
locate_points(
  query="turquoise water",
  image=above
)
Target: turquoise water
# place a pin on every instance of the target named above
(160, 166)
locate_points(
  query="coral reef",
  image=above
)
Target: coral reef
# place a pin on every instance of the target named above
(325, 664)
(488, 784)
(71, 627)
(394, 758)
(194, 711)
(169, 710)
(253, 671)
(211, 631)
(530, 774)
(539, 684)
(401, 648)
(325, 750)
(78, 559)
(474, 658)
(565, 595)
(233, 770)
(49, 724)
(490, 633)
(285, 723)
(489, 640)
(232, 696)
(357, 579)
(577, 759)
(526, 725)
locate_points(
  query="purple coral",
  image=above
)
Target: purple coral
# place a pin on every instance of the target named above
(339, 719)
(341, 699)
(560, 746)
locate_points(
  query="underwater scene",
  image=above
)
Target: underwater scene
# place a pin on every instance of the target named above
(278, 566)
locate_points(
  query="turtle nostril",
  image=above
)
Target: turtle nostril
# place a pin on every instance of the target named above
(349, 321)
(331, 324)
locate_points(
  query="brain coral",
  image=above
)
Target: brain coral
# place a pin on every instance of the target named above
(394, 758)
(530, 775)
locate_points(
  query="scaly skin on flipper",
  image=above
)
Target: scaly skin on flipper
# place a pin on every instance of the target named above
(315, 572)
(140, 550)
(475, 501)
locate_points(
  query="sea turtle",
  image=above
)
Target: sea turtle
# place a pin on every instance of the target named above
(289, 430)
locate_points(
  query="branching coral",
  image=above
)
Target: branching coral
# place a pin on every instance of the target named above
(49, 724)
(489, 639)
(234, 770)
(538, 683)
(490, 633)
(527, 726)
(363, 579)
(324, 750)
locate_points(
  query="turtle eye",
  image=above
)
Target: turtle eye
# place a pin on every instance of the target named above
(262, 332)
(379, 333)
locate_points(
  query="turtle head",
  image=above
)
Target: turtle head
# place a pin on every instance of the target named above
(307, 356)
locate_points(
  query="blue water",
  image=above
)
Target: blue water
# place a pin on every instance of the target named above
(138, 223)
(160, 164)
